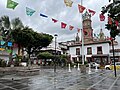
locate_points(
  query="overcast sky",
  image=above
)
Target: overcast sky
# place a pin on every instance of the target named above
(55, 9)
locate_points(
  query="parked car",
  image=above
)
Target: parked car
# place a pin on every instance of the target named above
(111, 66)
(94, 65)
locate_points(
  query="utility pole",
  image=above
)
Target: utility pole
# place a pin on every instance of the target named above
(113, 57)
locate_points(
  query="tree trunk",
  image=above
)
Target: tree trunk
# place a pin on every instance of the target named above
(28, 56)
(10, 56)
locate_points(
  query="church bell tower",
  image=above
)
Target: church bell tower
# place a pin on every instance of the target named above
(87, 28)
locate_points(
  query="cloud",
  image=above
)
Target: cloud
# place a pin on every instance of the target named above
(54, 9)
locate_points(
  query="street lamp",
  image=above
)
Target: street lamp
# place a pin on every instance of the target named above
(55, 53)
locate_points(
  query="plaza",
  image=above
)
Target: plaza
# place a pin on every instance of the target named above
(59, 45)
(62, 80)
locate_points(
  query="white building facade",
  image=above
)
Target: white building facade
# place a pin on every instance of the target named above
(96, 49)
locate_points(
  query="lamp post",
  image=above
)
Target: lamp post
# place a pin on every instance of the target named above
(55, 53)
(82, 37)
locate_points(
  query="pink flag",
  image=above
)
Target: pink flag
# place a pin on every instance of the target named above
(54, 20)
(63, 25)
(71, 27)
(78, 30)
(81, 8)
(109, 20)
(91, 11)
(117, 23)
(102, 17)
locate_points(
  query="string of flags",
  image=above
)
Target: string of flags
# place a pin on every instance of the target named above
(110, 20)
(12, 5)
(3, 46)
(63, 25)
(30, 12)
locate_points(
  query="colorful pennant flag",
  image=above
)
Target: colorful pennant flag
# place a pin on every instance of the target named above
(68, 3)
(102, 17)
(63, 25)
(91, 11)
(2, 42)
(54, 20)
(9, 43)
(117, 23)
(1, 38)
(1, 49)
(71, 27)
(9, 51)
(15, 45)
(110, 38)
(78, 30)
(81, 8)
(43, 15)
(11, 4)
(109, 20)
(29, 11)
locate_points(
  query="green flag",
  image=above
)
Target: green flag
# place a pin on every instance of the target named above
(29, 11)
(9, 51)
(11, 4)
(1, 38)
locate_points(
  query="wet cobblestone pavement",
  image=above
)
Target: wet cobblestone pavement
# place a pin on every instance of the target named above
(63, 80)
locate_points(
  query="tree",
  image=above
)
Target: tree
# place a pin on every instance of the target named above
(6, 26)
(30, 40)
(113, 10)
(45, 55)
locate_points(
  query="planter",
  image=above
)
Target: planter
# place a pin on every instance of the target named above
(83, 68)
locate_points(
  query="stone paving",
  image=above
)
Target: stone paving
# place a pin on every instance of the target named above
(63, 80)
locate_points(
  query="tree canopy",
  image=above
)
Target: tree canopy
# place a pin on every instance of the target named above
(14, 30)
(30, 40)
(113, 11)
(45, 55)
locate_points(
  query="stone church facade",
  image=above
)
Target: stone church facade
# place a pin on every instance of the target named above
(96, 49)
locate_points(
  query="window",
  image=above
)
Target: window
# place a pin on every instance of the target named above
(77, 51)
(74, 59)
(89, 50)
(99, 50)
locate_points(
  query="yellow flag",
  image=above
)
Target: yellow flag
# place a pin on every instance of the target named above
(1, 49)
(68, 3)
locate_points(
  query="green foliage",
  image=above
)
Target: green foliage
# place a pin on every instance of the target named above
(31, 40)
(45, 55)
(17, 60)
(113, 10)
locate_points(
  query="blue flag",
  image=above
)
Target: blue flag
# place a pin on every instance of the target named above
(29, 11)
(43, 15)
(9, 43)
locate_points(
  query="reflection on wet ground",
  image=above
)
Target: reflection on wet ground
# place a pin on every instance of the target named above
(62, 80)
